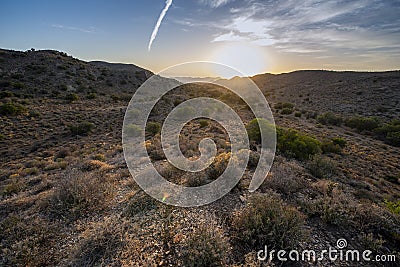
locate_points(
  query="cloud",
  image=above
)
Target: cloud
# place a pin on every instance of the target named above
(168, 3)
(246, 29)
(313, 26)
(215, 3)
(89, 30)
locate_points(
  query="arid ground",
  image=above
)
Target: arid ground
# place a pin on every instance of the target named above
(68, 199)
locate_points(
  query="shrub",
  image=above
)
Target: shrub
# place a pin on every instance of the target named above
(254, 132)
(12, 108)
(206, 246)
(284, 105)
(83, 128)
(335, 208)
(13, 187)
(339, 141)
(79, 192)
(153, 128)
(287, 111)
(267, 220)
(92, 165)
(390, 132)
(219, 165)
(394, 207)
(71, 97)
(329, 118)
(194, 179)
(393, 138)
(297, 114)
(328, 146)
(91, 96)
(294, 144)
(100, 243)
(203, 123)
(139, 204)
(362, 124)
(321, 167)
(19, 85)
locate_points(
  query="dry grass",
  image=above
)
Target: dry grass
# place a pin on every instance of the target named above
(79, 193)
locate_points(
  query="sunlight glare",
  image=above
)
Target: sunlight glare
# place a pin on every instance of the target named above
(248, 59)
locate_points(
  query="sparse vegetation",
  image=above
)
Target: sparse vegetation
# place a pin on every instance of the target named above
(71, 97)
(329, 118)
(390, 132)
(12, 108)
(284, 106)
(329, 146)
(268, 221)
(206, 246)
(83, 128)
(71, 201)
(321, 167)
(79, 193)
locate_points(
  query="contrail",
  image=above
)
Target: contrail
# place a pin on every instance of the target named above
(162, 15)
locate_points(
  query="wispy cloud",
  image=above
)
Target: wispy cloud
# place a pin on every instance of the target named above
(312, 26)
(70, 28)
(215, 3)
(168, 3)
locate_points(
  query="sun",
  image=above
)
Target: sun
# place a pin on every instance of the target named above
(246, 58)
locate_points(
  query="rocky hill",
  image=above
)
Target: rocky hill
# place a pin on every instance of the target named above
(68, 199)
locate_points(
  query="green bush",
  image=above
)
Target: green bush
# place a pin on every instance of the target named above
(253, 129)
(297, 114)
(390, 132)
(268, 221)
(83, 128)
(328, 146)
(393, 138)
(203, 123)
(329, 118)
(297, 145)
(339, 141)
(363, 124)
(394, 207)
(287, 111)
(321, 167)
(12, 108)
(153, 128)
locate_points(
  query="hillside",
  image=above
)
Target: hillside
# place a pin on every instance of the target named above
(68, 199)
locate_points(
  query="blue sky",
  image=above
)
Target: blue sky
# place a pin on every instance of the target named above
(250, 35)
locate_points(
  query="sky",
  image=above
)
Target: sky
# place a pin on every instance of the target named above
(252, 36)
